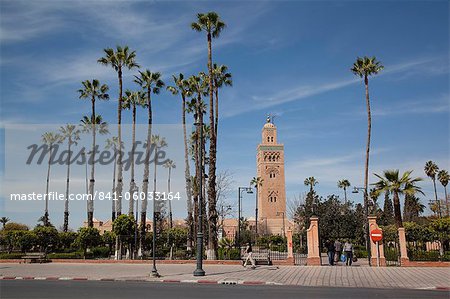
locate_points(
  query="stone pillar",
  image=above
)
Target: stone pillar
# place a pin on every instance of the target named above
(312, 236)
(373, 245)
(404, 260)
(290, 246)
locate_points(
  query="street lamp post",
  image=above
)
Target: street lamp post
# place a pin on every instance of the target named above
(199, 270)
(366, 214)
(136, 190)
(240, 190)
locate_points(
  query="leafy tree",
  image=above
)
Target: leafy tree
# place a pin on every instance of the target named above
(387, 217)
(119, 59)
(431, 169)
(47, 237)
(108, 240)
(87, 237)
(364, 68)
(412, 208)
(14, 226)
(441, 228)
(25, 240)
(66, 239)
(392, 182)
(123, 228)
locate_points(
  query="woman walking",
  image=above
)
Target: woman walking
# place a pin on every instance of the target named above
(249, 252)
(348, 249)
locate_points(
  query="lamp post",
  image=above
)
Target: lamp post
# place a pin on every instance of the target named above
(284, 227)
(240, 190)
(366, 214)
(136, 190)
(199, 270)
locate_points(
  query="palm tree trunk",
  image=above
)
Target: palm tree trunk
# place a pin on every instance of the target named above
(397, 210)
(187, 176)
(90, 202)
(437, 201)
(216, 112)
(146, 171)
(132, 184)
(66, 203)
(345, 194)
(118, 194)
(46, 222)
(113, 202)
(366, 172)
(446, 202)
(170, 202)
(212, 233)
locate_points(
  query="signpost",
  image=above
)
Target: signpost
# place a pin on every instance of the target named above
(376, 236)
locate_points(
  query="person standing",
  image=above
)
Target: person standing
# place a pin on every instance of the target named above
(348, 249)
(330, 250)
(337, 250)
(249, 252)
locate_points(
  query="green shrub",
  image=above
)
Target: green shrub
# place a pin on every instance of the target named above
(66, 255)
(100, 252)
(422, 255)
(8, 256)
(229, 254)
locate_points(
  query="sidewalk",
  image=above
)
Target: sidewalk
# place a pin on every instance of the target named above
(366, 277)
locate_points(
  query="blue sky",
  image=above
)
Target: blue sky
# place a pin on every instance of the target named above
(288, 58)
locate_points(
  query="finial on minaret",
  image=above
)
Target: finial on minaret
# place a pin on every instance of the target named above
(268, 118)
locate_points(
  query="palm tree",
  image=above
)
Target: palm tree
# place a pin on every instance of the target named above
(169, 165)
(158, 142)
(396, 185)
(72, 134)
(150, 83)
(364, 68)
(344, 184)
(443, 178)
(257, 182)
(93, 91)
(130, 101)
(431, 169)
(221, 77)
(113, 144)
(119, 59)
(88, 125)
(50, 139)
(3, 221)
(182, 87)
(311, 182)
(211, 24)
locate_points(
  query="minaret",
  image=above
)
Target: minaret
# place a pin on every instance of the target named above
(272, 193)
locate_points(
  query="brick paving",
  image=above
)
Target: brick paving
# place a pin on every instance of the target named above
(341, 276)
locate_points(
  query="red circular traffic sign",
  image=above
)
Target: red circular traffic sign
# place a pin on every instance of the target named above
(376, 235)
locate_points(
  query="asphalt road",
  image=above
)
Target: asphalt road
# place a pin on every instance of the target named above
(109, 290)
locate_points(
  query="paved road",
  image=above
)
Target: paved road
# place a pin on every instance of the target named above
(123, 290)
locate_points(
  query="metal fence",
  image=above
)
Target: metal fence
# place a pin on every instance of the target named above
(392, 253)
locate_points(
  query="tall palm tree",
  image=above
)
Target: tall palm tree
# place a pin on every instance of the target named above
(169, 165)
(344, 184)
(181, 87)
(431, 169)
(50, 139)
(443, 178)
(150, 83)
(158, 142)
(221, 77)
(3, 221)
(131, 100)
(392, 182)
(88, 125)
(311, 182)
(211, 24)
(93, 90)
(72, 135)
(364, 68)
(257, 182)
(113, 144)
(119, 59)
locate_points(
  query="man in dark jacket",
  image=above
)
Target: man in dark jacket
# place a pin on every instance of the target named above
(330, 249)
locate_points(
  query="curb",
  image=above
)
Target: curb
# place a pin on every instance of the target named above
(199, 281)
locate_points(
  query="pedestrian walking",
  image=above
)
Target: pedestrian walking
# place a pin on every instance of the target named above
(348, 250)
(337, 250)
(330, 250)
(249, 252)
